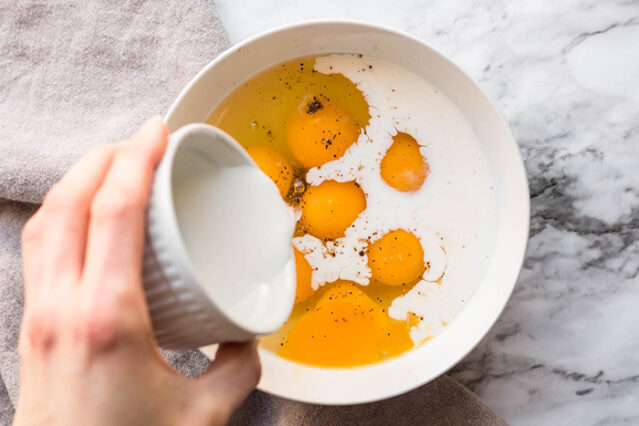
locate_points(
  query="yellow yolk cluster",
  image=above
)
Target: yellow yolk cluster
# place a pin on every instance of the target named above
(319, 132)
(303, 269)
(331, 207)
(403, 167)
(274, 165)
(345, 328)
(293, 127)
(396, 259)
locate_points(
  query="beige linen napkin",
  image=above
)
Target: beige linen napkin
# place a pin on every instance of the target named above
(76, 73)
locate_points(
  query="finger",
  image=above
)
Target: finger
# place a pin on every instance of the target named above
(66, 216)
(116, 230)
(230, 378)
(31, 248)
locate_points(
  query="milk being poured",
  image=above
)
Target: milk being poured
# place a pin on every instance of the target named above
(237, 231)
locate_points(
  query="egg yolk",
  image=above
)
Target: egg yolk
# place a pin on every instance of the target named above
(403, 167)
(331, 207)
(274, 165)
(397, 258)
(345, 328)
(319, 132)
(304, 271)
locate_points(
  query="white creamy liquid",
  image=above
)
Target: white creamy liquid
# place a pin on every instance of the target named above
(453, 214)
(237, 231)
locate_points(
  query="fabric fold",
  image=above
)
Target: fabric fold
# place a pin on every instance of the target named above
(441, 402)
(75, 74)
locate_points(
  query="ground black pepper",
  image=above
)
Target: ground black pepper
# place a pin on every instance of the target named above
(314, 106)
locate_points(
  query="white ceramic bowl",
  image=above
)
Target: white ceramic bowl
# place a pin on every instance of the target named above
(428, 361)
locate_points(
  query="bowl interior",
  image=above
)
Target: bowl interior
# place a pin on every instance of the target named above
(426, 362)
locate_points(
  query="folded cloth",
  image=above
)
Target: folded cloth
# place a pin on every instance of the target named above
(74, 74)
(12, 217)
(441, 402)
(6, 408)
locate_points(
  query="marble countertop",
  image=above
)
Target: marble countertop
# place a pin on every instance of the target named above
(565, 74)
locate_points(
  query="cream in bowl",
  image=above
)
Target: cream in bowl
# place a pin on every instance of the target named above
(384, 173)
(410, 197)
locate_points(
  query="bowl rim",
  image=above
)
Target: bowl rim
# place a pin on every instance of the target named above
(523, 230)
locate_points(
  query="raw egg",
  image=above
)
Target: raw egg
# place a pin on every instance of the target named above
(274, 165)
(345, 328)
(319, 132)
(304, 271)
(392, 234)
(331, 207)
(396, 259)
(403, 167)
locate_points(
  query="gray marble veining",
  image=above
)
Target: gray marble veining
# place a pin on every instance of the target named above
(565, 74)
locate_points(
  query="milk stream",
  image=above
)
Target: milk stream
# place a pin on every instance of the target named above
(237, 231)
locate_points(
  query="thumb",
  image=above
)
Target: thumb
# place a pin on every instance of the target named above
(228, 381)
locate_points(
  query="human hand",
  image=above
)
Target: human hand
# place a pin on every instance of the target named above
(87, 346)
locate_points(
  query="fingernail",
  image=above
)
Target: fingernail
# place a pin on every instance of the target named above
(150, 123)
